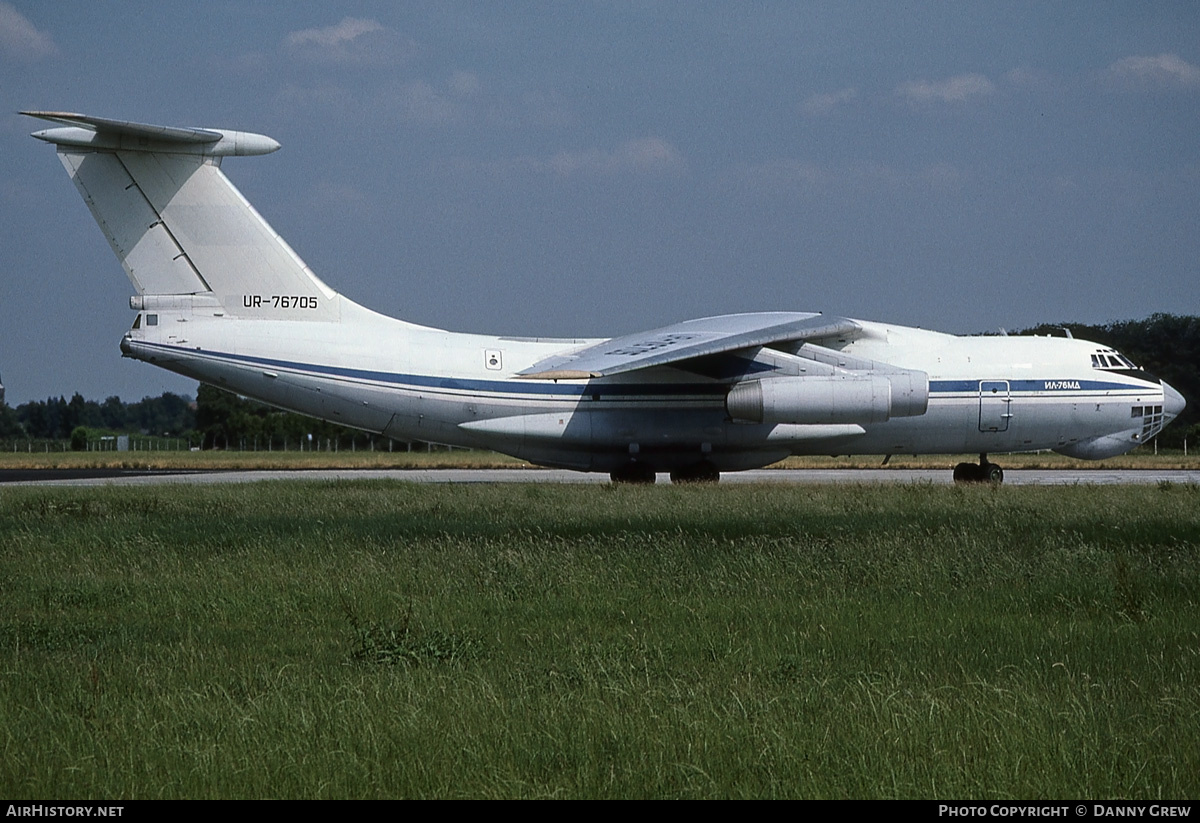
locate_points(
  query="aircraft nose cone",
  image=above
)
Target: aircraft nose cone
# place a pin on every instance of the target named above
(1173, 401)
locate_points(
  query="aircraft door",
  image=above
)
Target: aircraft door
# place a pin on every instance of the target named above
(995, 405)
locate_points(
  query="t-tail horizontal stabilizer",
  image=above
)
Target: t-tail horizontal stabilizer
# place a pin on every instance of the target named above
(124, 135)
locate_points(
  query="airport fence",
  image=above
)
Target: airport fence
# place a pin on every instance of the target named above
(343, 443)
(33, 445)
(146, 443)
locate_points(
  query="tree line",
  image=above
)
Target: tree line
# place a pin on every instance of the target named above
(170, 415)
(1166, 345)
(215, 419)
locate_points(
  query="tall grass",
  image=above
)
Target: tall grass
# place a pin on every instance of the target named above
(363, 639)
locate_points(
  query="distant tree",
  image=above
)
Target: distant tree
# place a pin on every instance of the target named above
(214, 410)
(40, 418)
(10, 426)
(75, 415)
(113, 414)
(169, 414)
(79, 438)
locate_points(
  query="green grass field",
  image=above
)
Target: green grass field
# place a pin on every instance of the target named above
(382, 639)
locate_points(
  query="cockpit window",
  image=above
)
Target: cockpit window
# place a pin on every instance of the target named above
(1109, 359)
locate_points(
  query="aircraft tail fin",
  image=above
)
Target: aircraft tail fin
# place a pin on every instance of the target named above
(177, 224)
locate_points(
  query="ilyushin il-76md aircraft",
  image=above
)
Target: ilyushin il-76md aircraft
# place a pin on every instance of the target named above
(221, 298)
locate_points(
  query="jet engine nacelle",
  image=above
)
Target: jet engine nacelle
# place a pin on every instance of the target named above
(850, 398)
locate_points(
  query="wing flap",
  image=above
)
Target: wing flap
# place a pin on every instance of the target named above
(690, 339)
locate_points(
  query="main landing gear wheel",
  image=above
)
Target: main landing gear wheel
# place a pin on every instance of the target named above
(981, 472)
(633, 473)
(703, 472)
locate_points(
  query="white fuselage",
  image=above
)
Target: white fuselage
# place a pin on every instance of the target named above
(409, 382)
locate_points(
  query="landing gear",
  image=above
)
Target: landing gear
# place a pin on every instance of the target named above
(702, 472)
(633, 473)
(981, 472)
(993, 473)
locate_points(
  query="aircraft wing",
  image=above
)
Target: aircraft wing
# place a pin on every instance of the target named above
(684, 341)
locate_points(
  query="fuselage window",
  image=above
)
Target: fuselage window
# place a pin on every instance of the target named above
(151, 319)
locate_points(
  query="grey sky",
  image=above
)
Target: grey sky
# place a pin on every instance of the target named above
(596, 168)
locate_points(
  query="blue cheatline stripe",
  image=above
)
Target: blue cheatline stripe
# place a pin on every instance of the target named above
(1039, 386)
(514, 387)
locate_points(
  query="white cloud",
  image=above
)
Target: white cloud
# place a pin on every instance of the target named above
(349, 29)
(420, 102)
(20, 40)
(644, 154)
(323, 95)
(353, 41)
(462, 97)
(1163, 70)
(821, 104)
(953, 90)
(783, 173)
(797, 176)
